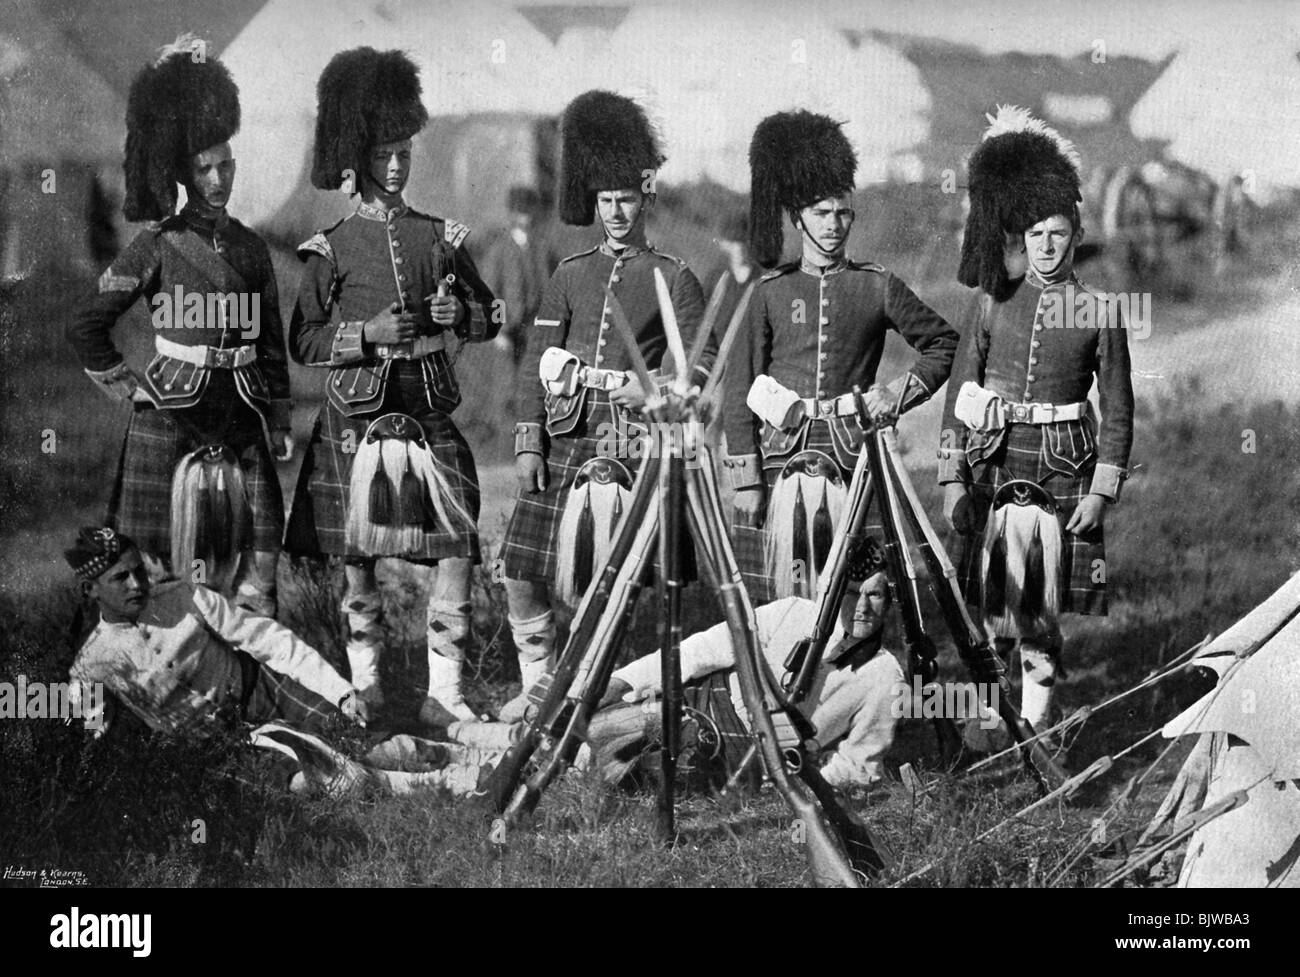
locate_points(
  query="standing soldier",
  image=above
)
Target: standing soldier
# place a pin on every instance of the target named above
(387, 473)
(574, 441)
(816, 328)
(1020, 453)
(196, 482)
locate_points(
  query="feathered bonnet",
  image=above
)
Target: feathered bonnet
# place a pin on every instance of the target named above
(1022, 172)
(183, 103)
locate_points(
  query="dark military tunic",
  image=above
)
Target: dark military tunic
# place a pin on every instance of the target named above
(1044, 344)
(573, 316)
(818, 333)
(355, 270)
(210, 284)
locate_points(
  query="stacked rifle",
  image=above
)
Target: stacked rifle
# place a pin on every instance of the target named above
(840, 849)
(900, 510)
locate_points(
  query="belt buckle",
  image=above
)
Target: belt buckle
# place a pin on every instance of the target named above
(826, 408)
(222, 358)
(402, 351)
(1020, 413)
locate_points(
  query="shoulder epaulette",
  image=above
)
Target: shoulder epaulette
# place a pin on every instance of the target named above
(869, 266)
(580, 254)
(779, 270)
(681, 262)
(319, 244)
(454, 232)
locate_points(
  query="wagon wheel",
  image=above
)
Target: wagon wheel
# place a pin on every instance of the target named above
(1132, 226)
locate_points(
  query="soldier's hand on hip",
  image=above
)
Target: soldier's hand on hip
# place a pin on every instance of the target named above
(959, 508)
(880, 404)
(391, 326)
(749, 504)
(630, 396)
(1089, 515)
(530, 468)
(446, 310)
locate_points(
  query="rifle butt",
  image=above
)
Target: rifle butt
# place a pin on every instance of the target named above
(828, 859)
(522, 804)
(529, 792)
(508, 773)
(865, 854)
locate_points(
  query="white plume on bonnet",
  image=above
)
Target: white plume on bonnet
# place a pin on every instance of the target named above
(1012, 118)
(187, 44)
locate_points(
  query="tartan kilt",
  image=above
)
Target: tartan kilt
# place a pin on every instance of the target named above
(528, 550)
(270, 696)
(627, 739)
(1021, 456)
(156, 440)
(318, 517)
(749, 542)
(711, 697)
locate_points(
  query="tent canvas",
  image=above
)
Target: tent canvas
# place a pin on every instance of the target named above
(1249, 741)
(706, 75)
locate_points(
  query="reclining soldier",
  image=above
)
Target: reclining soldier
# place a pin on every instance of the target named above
(851, 704)
(178, 656)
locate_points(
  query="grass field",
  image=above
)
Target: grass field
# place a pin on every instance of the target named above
(1207, 528)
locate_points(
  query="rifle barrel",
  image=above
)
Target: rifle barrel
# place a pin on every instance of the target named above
(550, 716)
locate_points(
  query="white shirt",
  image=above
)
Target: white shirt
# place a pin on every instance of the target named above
(176, 664)
(852, 705)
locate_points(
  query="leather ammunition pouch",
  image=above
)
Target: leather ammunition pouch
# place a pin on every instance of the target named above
(979, 409)
(786, 418)
(567, 382)
(558, 371)
(776, 405)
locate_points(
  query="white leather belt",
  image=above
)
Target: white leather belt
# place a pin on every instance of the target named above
(598, 379)
(841, 406)
(1044, 413)
(419, 347)
(224, 359)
